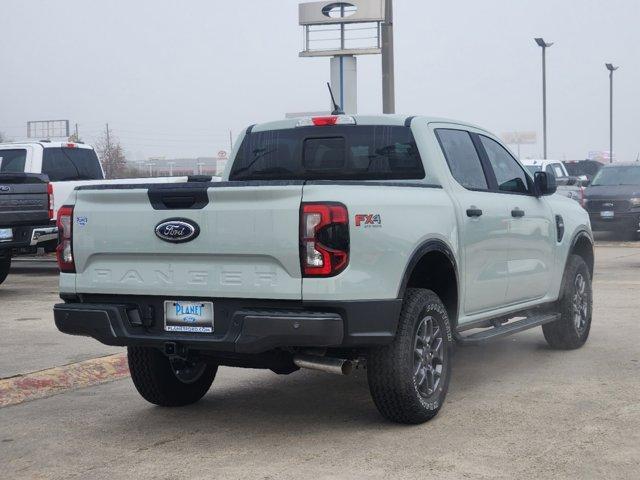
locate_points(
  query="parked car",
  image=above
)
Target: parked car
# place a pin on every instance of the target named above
(332, 241)
(584, 170)
(67, 164)
(568, 185)
(613, 199)
(25, 216)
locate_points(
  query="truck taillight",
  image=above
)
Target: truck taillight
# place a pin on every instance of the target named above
(324, 239)
(64, 251)
(50, 199)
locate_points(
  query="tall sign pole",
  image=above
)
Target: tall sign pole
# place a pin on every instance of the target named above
(342, 31)
(388, 77)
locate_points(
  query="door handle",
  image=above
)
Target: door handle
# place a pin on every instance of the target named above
(474, 212)
(517, 213)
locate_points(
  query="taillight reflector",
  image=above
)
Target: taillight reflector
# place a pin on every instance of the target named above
(64, 250)
(327, 256)
(50, 199)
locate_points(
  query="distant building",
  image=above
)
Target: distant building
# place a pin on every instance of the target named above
(166, 167)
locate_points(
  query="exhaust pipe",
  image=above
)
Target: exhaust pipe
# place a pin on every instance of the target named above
(339, 366)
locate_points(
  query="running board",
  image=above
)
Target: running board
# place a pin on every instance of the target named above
(506, 329)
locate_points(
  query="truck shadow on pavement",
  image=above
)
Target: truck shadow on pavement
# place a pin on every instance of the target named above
(263, 402)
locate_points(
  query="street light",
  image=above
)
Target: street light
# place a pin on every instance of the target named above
(611, 69)
(544, 45)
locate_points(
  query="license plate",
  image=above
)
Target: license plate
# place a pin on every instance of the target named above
(192, 317)
(607, 214)
(6, 234)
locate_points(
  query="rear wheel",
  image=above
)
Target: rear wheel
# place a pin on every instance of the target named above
(5, 266)
(409, 378)
(571, 330)
(169, 382)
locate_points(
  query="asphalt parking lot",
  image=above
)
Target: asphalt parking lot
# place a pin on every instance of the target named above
(516, 409)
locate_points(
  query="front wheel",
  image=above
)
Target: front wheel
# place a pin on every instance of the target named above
(5, 266)
(409, 378)
(571, 330)
(168, 382)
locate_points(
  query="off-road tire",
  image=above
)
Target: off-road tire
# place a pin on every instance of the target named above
(5, 266)
(392, 371)
(564, 333)
(155, 380)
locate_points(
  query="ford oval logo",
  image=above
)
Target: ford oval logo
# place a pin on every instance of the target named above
(4, 188)
(177, 230)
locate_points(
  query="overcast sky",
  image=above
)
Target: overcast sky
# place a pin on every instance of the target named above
(173, 77)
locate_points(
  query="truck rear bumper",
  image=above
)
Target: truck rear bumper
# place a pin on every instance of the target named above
(241, 326)
(25, 236)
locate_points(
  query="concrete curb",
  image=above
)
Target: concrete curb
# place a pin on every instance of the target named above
(44, 383)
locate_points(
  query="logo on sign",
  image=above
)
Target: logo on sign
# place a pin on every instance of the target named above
(4, 188)
(177, 230)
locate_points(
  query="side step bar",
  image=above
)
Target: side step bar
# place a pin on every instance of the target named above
(507, 329)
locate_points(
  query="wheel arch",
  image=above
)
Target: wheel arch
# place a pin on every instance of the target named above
(582, 245)
(433, 265)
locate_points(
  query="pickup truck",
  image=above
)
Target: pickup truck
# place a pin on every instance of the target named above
(332, 243)
(67, 164)
(569, 186)
(25, 216)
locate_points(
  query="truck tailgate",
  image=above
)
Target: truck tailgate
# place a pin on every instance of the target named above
(23, 199)
(247, 246)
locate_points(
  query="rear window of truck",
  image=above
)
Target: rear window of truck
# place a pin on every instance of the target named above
(65, 164)
(344, 152)
(12, 161)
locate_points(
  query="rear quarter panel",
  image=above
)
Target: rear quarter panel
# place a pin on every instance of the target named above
(409, 215)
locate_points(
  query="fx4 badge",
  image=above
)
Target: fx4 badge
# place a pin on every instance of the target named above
(368, 220)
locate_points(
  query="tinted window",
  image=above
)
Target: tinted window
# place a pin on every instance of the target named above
(351, 152)
(613, 176)
(555, 169)
(62, 164)
(533, 169)
(12, 161)
(462, 158)
(509, 174)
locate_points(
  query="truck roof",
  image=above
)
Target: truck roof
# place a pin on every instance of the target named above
(46, 144)
(386, 119)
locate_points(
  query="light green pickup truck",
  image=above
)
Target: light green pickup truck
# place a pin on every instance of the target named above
(331, 242)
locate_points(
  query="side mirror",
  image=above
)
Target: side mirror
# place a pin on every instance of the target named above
(545, 183)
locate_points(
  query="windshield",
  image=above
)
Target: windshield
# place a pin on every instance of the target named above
(375, 152)
(65, 164)
(623, 175)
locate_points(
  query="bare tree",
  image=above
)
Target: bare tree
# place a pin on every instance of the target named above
(111, 154)
(3, 138)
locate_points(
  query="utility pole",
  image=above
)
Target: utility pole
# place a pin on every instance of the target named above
(388, 77)
(76, 132)
(230, 142)
(611, 69)
(544, 45)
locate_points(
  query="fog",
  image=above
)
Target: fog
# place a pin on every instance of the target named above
(173, 78)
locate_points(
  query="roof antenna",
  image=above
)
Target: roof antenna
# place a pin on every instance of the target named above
(336, 108)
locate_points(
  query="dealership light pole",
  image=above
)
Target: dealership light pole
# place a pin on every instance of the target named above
(388, 82)
(611, 69)
(544, 45)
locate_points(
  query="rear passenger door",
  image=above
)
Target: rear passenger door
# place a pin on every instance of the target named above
(531, 228)
(483, 230)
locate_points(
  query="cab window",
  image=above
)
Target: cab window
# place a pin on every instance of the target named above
(462, 158)
(13, 161)
(510, 176)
